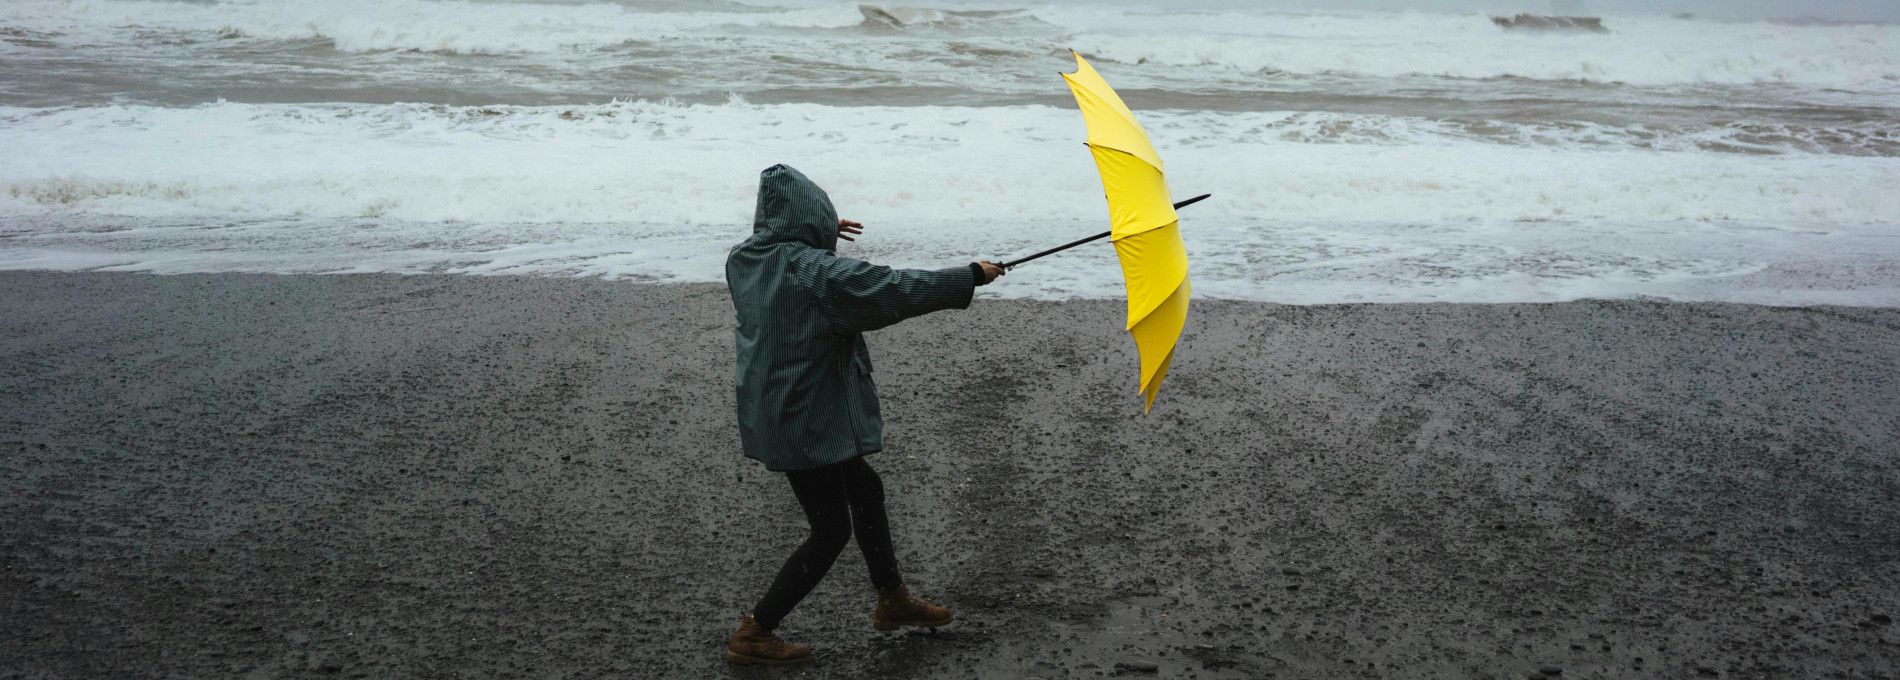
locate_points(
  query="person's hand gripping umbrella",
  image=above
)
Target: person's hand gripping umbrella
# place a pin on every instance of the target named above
(1144, 228)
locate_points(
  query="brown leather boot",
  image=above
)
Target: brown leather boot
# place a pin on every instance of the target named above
(752, 645)
(897, 608)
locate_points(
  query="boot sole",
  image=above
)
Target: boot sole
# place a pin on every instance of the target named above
(738, 659)
(887, 626)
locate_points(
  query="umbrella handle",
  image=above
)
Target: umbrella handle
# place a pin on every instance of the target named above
(1072, 244)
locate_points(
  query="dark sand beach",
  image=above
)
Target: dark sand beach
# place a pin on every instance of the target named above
(249, 476)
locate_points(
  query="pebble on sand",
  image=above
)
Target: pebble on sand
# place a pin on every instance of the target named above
(324, 662)
(1139, 666)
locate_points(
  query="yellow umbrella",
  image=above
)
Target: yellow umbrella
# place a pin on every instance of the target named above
(1146, 233)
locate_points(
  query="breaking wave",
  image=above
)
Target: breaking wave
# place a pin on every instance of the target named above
(1637, 50)
(424, 25)
(892, 17)
(665, 163)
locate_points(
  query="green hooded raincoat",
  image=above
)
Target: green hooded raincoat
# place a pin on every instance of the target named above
(804, 391)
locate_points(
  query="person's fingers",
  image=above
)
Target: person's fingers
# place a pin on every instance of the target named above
(847, 238)
(842, 223)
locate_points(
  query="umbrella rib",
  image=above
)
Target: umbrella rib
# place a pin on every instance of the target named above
(1120, 150)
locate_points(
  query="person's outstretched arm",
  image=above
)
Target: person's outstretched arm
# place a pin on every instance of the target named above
(858, 296)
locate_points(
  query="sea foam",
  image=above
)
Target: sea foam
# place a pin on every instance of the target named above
(666, 163)
(1354, 156)
(659, 190)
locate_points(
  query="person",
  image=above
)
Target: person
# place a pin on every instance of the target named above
(807, 406)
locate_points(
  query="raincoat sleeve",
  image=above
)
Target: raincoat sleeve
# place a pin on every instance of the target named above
(857, 296)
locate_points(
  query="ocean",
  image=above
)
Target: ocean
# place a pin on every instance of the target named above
(1353, 156)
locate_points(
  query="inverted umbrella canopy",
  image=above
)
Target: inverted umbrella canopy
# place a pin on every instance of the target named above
(1146, 233)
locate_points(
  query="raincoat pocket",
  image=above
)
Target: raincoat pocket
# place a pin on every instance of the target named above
(867, 421)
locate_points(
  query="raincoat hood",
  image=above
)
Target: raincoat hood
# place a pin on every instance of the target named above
(803, 384)
(793, 209)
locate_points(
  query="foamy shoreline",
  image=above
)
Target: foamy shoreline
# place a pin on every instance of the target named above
(1259, 260)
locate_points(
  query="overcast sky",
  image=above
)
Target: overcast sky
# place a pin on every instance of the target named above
(1850, 10)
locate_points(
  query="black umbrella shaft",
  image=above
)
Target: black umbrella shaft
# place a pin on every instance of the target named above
(1078, 242)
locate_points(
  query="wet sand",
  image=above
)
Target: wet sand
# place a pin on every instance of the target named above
(238, 476)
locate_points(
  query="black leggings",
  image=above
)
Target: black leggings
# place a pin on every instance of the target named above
(839, 499)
